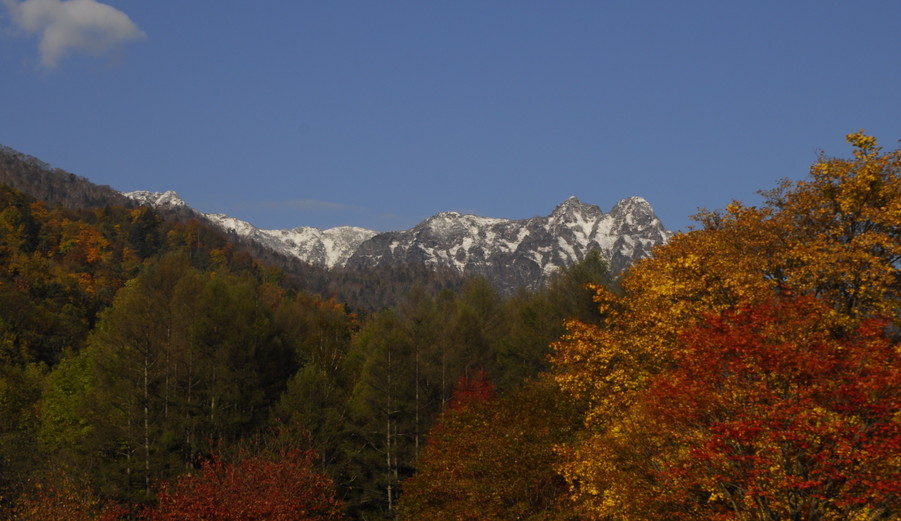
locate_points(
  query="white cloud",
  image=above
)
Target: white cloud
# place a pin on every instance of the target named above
(65, 26)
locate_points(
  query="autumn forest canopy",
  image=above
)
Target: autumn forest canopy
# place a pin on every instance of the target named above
(152, 369)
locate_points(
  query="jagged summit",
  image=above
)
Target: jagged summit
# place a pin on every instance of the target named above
(510, 253)
(517, 253)
(574, 205)
(632, 204)
(574, 212)
(570, 202)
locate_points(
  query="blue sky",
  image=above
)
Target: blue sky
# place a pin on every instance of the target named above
(379, 114)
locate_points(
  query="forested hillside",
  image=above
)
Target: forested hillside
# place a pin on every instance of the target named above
(135, 347)
(748, 370)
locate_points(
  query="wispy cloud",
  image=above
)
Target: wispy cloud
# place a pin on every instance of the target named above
(66, 26)
(313, 212)
(300, 205)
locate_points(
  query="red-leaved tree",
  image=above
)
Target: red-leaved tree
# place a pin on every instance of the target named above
(769, 413)
(279, 486)
(471, 389)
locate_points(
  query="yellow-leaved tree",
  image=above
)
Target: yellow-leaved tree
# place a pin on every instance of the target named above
(835, 236)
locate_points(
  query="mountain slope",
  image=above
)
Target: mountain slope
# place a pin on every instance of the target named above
(322, 248)
(36, 178)
(325, 248)
(520, 253)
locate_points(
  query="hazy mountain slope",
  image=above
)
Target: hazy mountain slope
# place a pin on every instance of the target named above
(36, 178)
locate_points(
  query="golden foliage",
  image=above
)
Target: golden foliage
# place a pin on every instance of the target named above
(835, 235)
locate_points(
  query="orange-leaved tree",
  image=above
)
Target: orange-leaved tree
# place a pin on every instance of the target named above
(842, 229)
(492, 458)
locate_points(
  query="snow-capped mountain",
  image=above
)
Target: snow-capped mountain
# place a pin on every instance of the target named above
(324, 248)
(515, 253)
(510, 253)
(168, 199)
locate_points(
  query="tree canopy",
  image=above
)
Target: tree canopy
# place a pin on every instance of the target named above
(834, 237)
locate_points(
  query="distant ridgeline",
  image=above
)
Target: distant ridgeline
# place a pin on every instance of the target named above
(36, 178)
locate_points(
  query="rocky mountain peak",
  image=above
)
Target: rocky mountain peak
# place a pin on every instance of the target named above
(636, 215)
(632, 205)
(573, 208)
(571, 202)
(574, 215)
(517, 253)
(441, 222)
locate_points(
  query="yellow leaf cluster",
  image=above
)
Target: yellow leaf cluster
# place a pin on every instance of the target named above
(835, 235)
(843, 230)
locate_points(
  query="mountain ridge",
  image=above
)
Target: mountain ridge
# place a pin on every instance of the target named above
(511, 253)
(525, 252)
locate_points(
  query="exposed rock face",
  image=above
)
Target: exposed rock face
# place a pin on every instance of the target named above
(168, 199)
(324, 248)
(520, 253)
